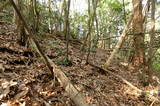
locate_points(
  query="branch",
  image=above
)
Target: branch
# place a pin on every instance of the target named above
(141, 92)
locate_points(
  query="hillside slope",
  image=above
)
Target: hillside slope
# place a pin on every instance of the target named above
(25, 80)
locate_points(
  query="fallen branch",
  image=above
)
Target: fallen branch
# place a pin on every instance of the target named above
(74, 94)
(141, 92)
(2, 6)
(62, 78)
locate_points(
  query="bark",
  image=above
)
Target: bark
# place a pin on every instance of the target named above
(32, 15)
(124, 11)
(151, 45)
(37, 17)
(22, 37)
(15, 18)
(90, 24)
(50, 26)
(67, 27)
(138, 43)
(94, 3)
(2, 6)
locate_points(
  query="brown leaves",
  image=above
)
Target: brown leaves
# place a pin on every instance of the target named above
(5, 88)
(25, 81)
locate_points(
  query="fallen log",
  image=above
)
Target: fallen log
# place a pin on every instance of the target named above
(73, 93)
(141, 92)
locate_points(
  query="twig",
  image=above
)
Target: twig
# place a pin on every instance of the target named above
(152, 103)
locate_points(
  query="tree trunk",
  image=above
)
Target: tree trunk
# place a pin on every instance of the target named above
(37, 16)
(138, 43)
(49, 20)
(152, 38)
(90, 24)
(67, 8)
(22, 37)
(94, 3)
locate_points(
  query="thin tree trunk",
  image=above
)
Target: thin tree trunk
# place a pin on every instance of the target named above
(94, 3)
(88, 37)
(15, 18)
(124, 12)
(90, 24)
(37, 16)
(152, 38)
(49, 20)
(67, 8)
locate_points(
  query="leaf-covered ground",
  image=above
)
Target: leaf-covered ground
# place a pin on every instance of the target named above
(26, 81)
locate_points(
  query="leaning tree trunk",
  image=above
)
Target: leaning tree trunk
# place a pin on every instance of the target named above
(119, 43)
(138, 43)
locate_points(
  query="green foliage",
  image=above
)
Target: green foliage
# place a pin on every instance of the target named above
(63, 61)
(59, 51)
(156, 66)
(53, 43)
(112, 17)
(78, 24)
(156, 63)
(7, 18)
(6, 15)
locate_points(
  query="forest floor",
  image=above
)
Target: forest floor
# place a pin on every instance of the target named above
(25, 79)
